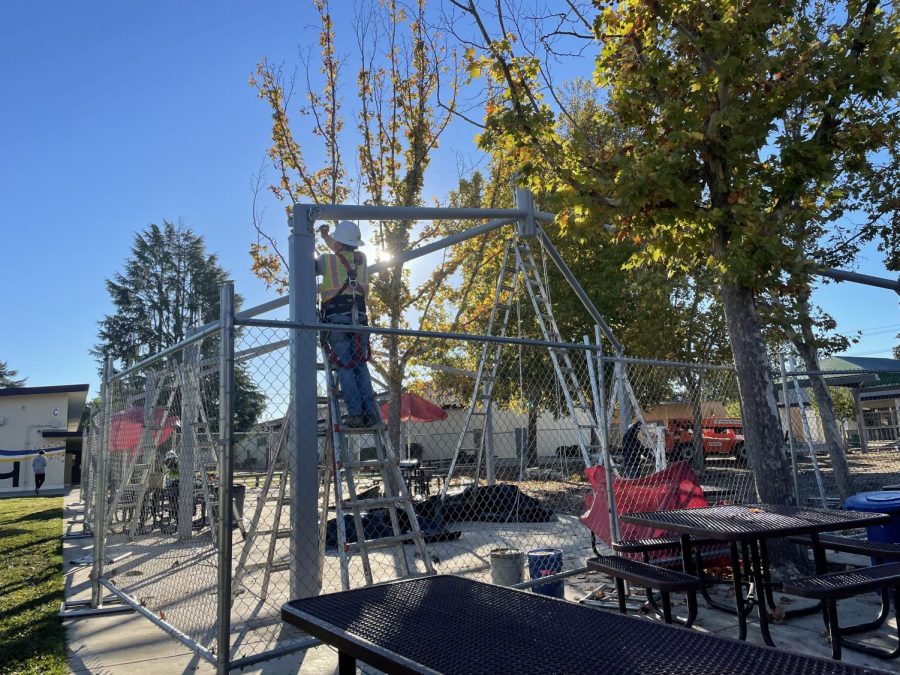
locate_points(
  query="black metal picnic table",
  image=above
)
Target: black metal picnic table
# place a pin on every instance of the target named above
(448, 624)
(750, 526)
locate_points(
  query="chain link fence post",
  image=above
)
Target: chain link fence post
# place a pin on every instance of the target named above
(304, 452)
(101, 489)
(790, 430)
(604, 436)
(226, 446)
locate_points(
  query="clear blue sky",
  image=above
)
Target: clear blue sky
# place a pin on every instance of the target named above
(117, 114)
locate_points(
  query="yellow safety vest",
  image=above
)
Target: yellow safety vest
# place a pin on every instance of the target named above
(336, 271)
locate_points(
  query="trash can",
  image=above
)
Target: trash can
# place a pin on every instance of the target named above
(507, 566)
(543, 562)
(879, 502)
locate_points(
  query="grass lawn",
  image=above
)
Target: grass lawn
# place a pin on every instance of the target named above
(32, 638)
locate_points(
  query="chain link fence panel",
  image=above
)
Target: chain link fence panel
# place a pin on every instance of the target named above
(499, 445)
(162, 482)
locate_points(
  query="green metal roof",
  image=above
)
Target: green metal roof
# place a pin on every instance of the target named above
(875, 374)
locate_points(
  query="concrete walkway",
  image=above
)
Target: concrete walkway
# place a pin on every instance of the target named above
(129, 644)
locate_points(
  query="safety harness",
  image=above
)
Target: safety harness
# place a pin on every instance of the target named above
(360, 352)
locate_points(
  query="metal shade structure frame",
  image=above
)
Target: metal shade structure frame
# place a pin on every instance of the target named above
(305, 568)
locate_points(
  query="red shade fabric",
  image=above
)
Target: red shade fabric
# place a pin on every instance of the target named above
(675, 487)
(416, 409)
(126, 427)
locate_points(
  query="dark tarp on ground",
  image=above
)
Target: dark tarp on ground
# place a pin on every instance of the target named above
(490, 503)
(486, 503)
(377, 524)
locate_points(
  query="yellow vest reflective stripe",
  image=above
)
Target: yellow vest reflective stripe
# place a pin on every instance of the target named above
(336, 275)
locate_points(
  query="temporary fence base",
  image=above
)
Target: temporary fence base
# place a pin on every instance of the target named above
(159, 623)
(80, 609)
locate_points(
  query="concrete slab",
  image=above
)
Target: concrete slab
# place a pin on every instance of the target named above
(131, 644)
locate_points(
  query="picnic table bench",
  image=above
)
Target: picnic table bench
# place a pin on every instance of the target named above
(752, 525)
(832, 587)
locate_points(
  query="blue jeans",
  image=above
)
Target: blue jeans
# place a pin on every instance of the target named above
(356, 383)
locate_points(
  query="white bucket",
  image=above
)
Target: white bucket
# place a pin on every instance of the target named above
(507, 566)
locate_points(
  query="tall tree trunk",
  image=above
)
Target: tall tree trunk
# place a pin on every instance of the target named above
(839, 467)
(763, 437)
(762, 427)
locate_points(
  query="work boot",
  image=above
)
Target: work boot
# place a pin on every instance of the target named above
(373, 421)
(354, 421)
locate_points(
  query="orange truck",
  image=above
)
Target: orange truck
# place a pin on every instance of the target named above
(721, 436)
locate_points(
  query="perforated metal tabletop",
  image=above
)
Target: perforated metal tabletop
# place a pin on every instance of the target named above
(753, 521)
(447, 624)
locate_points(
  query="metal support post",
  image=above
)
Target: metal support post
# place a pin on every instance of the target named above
(101, 489)
(570, 277)
(790, 431)
(188, 454)
(526, 225)
(490, 465)
(87, 475)
(625, 410)
(860, 421)
(226, 446)
(600, 407)
(807, 432)
(304, 454)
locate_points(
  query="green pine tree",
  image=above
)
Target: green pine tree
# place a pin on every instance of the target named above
(8, 377)
(168, 284)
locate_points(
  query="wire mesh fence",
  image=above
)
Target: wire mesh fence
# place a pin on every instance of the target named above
(159, 496)
(90, 452)
(492, 441)
(497, 444)
(867, 418)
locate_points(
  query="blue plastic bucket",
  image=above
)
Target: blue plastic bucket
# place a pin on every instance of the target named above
(543, 562)
(879, 502)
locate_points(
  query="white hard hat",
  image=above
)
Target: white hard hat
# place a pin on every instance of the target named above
(347, 233)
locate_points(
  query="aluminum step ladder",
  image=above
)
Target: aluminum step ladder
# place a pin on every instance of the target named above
(519, 269)
(345, 474)
(276, 530)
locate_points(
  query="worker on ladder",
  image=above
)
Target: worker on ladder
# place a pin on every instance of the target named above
(342, 294)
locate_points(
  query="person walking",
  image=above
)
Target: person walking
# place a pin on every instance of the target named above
(342, 294)
(39, 465)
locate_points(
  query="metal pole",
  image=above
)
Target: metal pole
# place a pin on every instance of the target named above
(490, 466)
(189, 455)
(397, 259)
(226, 446)
(304, 448)
(525, 226)
(860, 421)
(163, 625)
(790, 431)
(807, 431)
(580, 292)
(451, 240)
(101, 489)
(370, 212)
(865, 279)
(604, 439)
(87, 479)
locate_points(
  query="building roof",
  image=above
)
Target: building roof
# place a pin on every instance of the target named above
(875, 377)
(860, 363)
(33, 391)
(76, 393)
